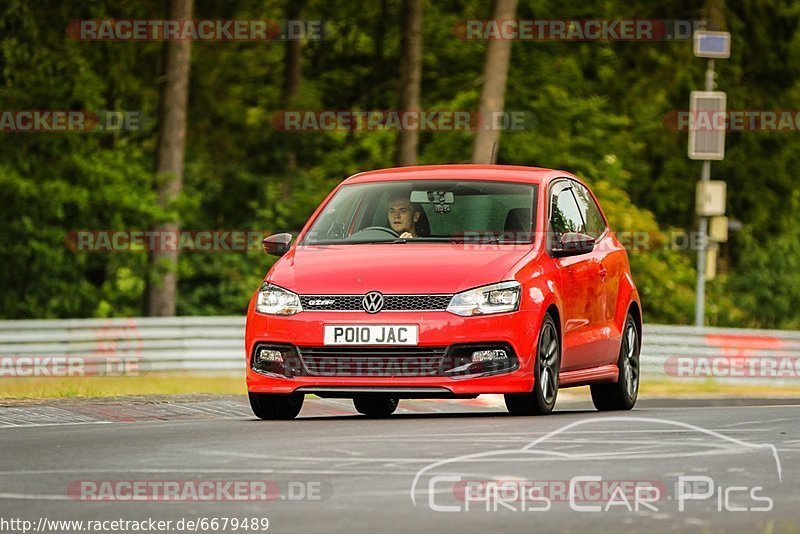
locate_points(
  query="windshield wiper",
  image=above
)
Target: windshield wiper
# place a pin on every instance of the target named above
(403, 240)
(489, 240)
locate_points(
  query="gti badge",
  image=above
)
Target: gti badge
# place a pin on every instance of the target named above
(320, 302)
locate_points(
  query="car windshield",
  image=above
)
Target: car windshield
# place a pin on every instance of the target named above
(426, 211)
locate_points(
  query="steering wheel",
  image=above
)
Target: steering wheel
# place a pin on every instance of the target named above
(382, 228)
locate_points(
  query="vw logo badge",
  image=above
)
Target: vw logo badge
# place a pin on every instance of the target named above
(372, 302)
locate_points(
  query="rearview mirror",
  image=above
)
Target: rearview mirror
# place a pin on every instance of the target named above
(432, 197)
(573, 244)
(277, 245)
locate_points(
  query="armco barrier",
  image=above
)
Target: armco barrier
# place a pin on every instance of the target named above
(666, 350)
(161, 344)
(217, 343)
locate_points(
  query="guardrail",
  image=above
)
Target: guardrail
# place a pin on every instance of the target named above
(156, 343)
(770, 356)
(217, 344)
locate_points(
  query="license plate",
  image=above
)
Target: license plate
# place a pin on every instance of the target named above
(342, 334)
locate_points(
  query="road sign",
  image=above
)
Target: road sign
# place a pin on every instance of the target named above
(707, 124)
(710, 198)
(711, 261)
(718, 229)
(715, 45)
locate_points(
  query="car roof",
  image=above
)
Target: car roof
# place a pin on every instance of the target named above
(506, 173)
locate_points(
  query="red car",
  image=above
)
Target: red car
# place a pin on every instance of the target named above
(447, 281)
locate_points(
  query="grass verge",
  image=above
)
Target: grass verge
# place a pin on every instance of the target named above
(113, 386)
(233, 383)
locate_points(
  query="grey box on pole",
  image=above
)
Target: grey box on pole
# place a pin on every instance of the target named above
(707, 125)
(712, 45)
(710, 198)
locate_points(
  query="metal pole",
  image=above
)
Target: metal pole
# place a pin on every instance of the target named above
(699, 310)
(700, 297)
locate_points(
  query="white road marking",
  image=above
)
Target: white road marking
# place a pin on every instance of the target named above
(56, 424)
(34, 496)
(453, 436)
(522, 457)
(761, 422)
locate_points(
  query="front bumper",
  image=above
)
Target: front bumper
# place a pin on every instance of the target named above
(437, 330)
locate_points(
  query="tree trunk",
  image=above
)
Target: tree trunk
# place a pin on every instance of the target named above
(715, 15)
(378, 39)
(410, 79)
(292, 70)
(162, 283)
(493, 93)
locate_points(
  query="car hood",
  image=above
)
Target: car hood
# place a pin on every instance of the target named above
(403, 268)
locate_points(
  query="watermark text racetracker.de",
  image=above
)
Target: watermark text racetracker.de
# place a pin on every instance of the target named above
(751, 366)
(195, 30)
(400, 120)
(577, 29)
(76, 120)
(734, 121)
(632, 241)
(207, 490)
(126, 240)
(38, 366)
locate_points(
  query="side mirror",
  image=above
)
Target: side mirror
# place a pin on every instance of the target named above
(277, 245)
(573, 244)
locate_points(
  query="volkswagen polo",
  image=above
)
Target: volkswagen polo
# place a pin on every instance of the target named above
(446, 281)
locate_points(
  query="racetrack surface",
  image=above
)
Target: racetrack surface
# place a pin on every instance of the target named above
(357, 474)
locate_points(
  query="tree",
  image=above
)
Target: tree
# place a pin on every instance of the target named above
(410, 79)
(162, 283)
(495, 73)
(596, 108)
(292, 72)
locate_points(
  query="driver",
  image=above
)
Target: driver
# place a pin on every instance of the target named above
(403, 217)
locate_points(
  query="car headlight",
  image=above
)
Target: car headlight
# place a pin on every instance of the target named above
(274, 300)
(495, 298)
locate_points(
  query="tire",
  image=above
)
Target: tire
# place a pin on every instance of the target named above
(622, 395)
(376, 405)
(542, 399)
(275, 406)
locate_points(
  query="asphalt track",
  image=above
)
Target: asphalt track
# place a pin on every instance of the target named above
(332, 470)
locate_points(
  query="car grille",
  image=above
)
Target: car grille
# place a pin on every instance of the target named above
(390, 302)
(361, 361)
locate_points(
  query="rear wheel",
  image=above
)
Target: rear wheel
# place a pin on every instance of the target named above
(272, 406)
(542, 399)
(376, 405)
(623, 394)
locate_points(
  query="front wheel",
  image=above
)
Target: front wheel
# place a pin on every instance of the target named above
(275, 406)
(623, 394)
(376, 405)
(542, 399)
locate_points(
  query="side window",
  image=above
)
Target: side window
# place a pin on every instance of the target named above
(332, 223)
(565, 216)
(595, 225)
(375, 210)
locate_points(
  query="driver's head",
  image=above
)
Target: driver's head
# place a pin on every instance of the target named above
(403, 215)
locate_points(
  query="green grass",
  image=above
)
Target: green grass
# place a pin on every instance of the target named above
(94, 386)
(710, 388)
(234, 383)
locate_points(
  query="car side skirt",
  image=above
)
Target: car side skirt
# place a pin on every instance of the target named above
(584, 377)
